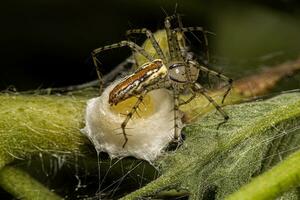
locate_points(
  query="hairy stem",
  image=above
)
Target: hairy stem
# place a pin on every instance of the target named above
(23, 186)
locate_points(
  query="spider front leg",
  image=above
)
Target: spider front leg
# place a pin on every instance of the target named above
(152, 39)
(217, 74)
(200, 29)
(130, 114)
(130, 44)
(178, 137)
(201, 89)
(176, 116)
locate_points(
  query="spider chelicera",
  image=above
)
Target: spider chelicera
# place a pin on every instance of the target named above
(175, 70)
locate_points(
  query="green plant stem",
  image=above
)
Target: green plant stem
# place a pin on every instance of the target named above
(273, 183)
(23, 186)
(31, 124)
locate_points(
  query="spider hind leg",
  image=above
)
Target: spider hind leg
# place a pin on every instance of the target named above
(200, 89)
(216, 74)
(123, 43)
(129, 116)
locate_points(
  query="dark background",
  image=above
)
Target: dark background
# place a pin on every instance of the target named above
(48, 43)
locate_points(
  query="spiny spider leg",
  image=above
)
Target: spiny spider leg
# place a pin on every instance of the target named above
(179, 55)
(173, 17)
(173, 42)
(194, 94)
(99, 74)
(119, 68)
(176, 39)
(182, 39)
(197, 28)
(152, 39)
(201, 89)
(217, 74)
(130, 114)
(170, 38)
(176, 116)
(130, 44)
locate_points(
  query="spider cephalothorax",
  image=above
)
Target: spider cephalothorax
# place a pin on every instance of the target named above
(175, 70)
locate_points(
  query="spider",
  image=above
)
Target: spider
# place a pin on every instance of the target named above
(174, 70)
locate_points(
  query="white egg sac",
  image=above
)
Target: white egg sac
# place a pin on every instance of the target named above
(148, 135)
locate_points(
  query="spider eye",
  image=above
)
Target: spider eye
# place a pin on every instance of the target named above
(177, 72)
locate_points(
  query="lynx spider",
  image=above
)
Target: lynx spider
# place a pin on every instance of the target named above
(176, 71)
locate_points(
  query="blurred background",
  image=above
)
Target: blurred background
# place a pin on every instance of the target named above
(48, 43)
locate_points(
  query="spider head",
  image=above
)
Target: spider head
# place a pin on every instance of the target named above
(182, 72)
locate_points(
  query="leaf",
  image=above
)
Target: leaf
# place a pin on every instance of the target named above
(274, 182)
(216, 163)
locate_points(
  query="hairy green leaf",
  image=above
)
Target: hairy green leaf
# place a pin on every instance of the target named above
(215, 163)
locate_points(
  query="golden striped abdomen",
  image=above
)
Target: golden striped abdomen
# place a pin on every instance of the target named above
(147, 75)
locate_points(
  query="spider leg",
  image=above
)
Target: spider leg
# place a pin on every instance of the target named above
(194, 94)
(113, 74)
(134, 109)
(183, 47)
(201, 89)
(179, 33)
(130, 44)
(217, 74)
(176, 116)
(130, 114)
(200, 29)
(171, 38)
(152, 39)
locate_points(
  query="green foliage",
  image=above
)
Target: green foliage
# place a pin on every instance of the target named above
(217, 162)
(274, 182)
(210, 162)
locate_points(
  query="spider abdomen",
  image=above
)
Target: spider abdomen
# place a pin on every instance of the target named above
(147, 75)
